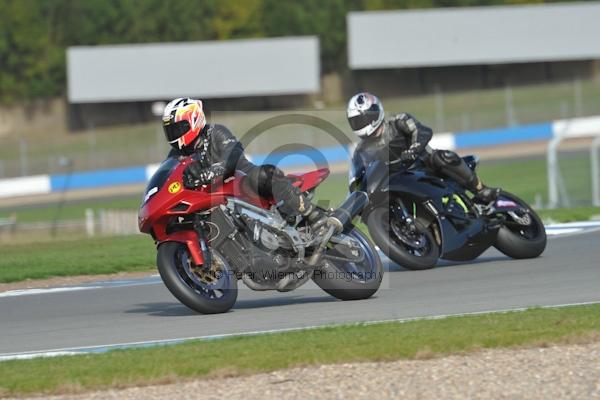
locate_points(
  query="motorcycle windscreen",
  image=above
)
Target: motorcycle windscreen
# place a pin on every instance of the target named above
(355, 174)
(160, 177)
(375, 177)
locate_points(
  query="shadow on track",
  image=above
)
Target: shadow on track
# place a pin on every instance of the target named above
(282, 301)
(173, 309)
(391, 266)
(176, 309)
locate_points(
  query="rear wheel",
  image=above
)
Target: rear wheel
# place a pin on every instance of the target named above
(523, 234)
(414, 248)
(350, 273)
(207, 290)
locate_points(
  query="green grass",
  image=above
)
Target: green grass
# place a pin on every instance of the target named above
(76, 257)
(255, 354)
(570, 214)
(528, 178)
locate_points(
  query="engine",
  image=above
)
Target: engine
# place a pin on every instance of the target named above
(255, 241)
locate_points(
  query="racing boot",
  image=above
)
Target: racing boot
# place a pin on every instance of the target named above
(294, 203)
(316, 217)
(485, 194)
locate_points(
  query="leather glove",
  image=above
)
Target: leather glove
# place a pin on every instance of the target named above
(195, 176)
(408, 156)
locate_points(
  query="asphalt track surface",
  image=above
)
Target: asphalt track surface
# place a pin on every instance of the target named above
(143, 310)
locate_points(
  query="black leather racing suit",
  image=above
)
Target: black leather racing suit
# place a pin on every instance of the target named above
(219, 154)
(405, 138)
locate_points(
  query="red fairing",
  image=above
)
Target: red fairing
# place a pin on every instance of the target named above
(190, 238)
(173, 200)
(310, 180)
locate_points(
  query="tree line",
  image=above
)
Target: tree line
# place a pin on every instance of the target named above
(34, 34)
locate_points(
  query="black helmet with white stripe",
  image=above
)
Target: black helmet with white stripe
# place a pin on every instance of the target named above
(365, 114)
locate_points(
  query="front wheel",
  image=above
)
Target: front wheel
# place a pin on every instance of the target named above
(207, 290)
(523, 234)
(350, 272)
(414, 249)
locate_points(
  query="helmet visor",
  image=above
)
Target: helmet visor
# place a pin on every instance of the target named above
(176, 130)
(360, 121)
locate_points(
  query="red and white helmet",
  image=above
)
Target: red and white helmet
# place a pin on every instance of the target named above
(365, 114)
(183, 120)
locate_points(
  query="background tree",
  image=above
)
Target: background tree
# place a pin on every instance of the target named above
(34, 34)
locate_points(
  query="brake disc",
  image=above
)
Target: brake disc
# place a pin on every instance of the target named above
(416, 242)
(209, 278)
(521, 220)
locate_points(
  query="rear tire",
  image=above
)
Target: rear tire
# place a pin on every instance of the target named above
(349, 281)
(515, 244)
(381, 232)
(205, 299)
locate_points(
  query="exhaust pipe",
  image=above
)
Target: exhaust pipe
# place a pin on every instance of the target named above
(351, 207)
(339, 220)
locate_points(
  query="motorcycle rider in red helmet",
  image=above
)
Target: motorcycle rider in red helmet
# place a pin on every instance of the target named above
(403, 139)
(218, 154)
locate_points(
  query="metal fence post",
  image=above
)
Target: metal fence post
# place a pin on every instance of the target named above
(511, 119)
(439, 109)
(23, 156)
(89, 222)
(552, 165)
(595, 165)
(578, 97)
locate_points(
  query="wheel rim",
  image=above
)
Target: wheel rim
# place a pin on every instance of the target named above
(524, 224)
(418, 246)
(211, 283)
(364, 270)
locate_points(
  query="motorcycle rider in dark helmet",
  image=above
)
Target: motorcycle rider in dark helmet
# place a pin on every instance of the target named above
(218, 154)
(403, 139)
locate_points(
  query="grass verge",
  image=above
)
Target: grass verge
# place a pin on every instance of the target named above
(570, 214)
(255, 354)
(77, 257)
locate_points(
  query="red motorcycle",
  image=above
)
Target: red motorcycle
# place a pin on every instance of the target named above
(213, 236)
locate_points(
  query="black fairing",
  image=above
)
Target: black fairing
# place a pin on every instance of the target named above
(372, 180)
(375, 177)
(464, 235)
(471, 161)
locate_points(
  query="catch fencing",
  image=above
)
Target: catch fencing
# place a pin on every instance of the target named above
(101, 223)
(98, 148)
(564, 173)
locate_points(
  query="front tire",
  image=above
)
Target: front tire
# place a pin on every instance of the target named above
(207, 291)
(347, 280)
(521, 241)
(380, 226)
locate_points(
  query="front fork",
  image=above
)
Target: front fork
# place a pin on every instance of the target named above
(200, 229)
(195, 240)
(402, 214)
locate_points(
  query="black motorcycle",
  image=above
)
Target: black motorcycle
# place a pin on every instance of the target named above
(416, 217)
